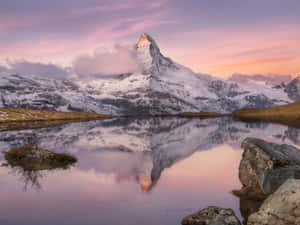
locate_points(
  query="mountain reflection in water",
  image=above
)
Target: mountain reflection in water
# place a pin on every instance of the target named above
(132, 171)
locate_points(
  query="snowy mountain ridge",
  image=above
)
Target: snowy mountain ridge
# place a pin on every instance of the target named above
(162, 87)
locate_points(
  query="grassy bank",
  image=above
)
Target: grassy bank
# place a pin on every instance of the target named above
(286, 114)
(28, 125)
(21, 114)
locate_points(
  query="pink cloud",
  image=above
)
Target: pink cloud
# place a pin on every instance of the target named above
(102, 8)
(261, 61)
(119, 6)
(264, 48)
(11, 24)
(136, 26)
(104, 63)
(109, 32)
(267, 65)
(25, 20)
(157, 4)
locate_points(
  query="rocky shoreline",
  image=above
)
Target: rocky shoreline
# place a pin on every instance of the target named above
(270, 194)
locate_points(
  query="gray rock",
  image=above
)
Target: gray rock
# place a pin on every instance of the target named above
(265, 166)
(259, 101)
(281, 208)
(293, 89)
(272, 179)
(222, 88)
(212, 216)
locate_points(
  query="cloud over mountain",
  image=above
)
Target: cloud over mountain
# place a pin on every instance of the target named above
(24, 67)
(120, 60)
(272, 79)
(3, 69)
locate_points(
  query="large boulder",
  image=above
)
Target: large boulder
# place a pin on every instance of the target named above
(280, 208)
(265, 166)
(212, 216)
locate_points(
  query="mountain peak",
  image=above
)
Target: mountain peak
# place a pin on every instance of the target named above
(150, 55)
(146, 41)
(144, 36)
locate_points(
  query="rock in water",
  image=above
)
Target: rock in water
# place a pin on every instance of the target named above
(212, 216)
(33, 158)
(265, 166)
(281, 208)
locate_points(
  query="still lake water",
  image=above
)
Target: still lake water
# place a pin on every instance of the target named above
(131, 171)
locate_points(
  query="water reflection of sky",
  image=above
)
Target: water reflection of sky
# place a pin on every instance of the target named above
(151, 172)
(96, 196)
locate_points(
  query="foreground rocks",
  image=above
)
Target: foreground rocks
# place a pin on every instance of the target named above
(280, 208)
(212, 216)
(265, 166)
(270, 195)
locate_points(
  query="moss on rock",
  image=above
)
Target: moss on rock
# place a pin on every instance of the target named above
(31, 157)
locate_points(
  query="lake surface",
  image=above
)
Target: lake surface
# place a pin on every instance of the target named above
(131, 171)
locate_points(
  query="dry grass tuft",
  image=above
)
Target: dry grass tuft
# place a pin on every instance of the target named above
(21, 114)
(286, 114)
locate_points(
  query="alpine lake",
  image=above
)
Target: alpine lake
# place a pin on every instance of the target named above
(129, 171)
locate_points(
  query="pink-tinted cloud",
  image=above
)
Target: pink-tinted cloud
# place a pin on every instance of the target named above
(267, 65)
(109, 31)
(272, 47)
(16, 22)
(272, 79)
(206, 40)
(38, 21)
(120, 61)
(249, 50)
(135, 25)
(261, 61)
(50, 70)
(117, 6)
(157, 4)
(11, 24)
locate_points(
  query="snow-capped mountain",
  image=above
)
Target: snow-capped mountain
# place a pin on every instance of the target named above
(161, 87)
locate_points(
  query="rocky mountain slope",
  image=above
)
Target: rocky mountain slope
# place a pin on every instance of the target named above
(162, 87)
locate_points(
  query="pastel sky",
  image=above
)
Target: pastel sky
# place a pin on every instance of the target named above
(220, 37)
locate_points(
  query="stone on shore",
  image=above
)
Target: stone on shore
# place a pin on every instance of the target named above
(212, 216)
(280, 208)
(265, 166)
